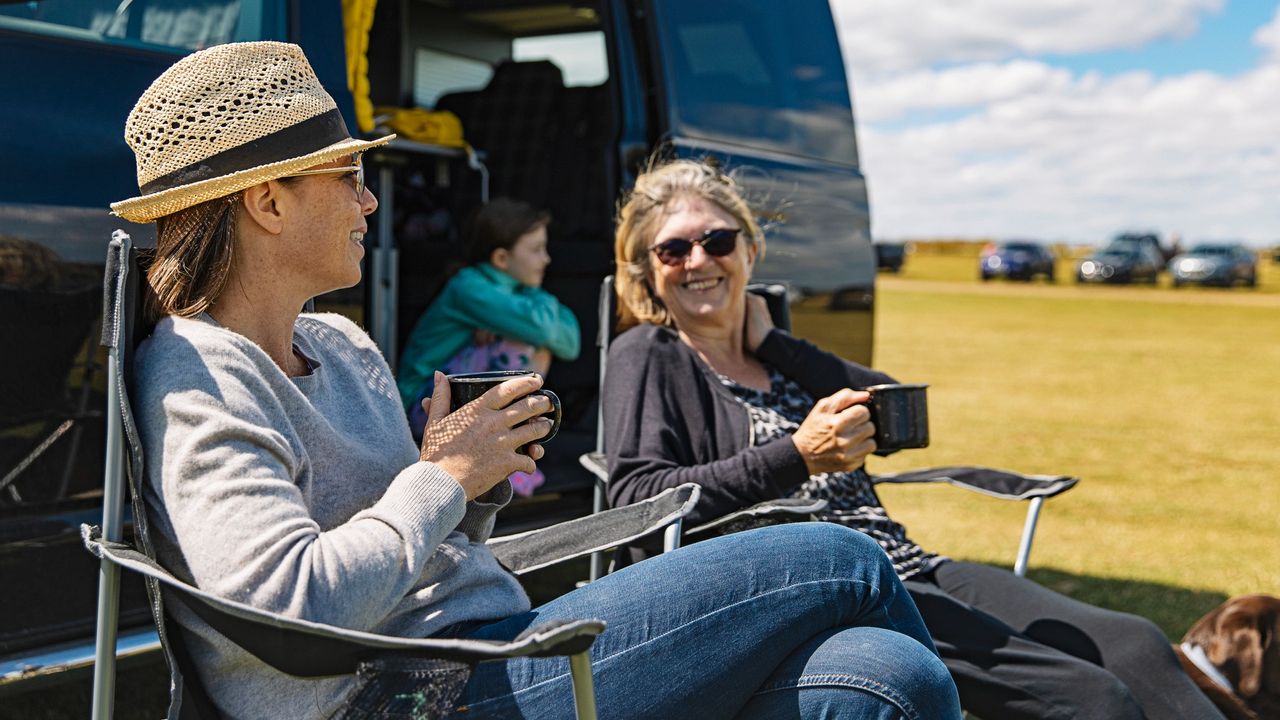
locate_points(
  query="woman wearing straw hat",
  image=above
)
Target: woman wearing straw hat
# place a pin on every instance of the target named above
(282, 473)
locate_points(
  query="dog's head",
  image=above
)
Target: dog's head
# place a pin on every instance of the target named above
(1241, 637)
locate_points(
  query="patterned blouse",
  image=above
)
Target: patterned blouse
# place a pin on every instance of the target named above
(851, 496)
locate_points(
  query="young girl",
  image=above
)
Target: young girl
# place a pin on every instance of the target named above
(492, 315)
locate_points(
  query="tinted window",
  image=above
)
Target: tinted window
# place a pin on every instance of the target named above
(437, 73)
(1211, 250)
(757, 73)
(178, 24)
(1022, 247)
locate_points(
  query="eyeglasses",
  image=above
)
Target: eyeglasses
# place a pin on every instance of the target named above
(357, 170)
(716, 243)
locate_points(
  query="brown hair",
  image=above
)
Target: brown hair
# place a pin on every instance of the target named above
(643, 210)
(498, 225)
(194, 252)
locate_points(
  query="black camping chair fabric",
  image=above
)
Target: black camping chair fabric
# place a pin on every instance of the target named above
(299, 647)
(1004, 484)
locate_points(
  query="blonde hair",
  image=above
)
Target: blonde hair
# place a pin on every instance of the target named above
(642, 212)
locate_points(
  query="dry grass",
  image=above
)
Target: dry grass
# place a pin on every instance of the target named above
(1163, 401)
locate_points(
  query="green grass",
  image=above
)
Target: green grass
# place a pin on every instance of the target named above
(1162, 401)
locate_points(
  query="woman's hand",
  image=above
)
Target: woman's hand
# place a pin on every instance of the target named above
(758, 323)
(477, 444)
(836, 435)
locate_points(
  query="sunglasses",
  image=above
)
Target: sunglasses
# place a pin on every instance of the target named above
(356, 169)
(716, 243)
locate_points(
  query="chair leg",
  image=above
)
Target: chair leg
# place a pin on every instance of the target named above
(1028, 533)
(104, 666)
(671, 536)
(597, 506)
(584, 694)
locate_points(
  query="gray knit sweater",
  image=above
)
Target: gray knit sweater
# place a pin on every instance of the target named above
(303, 496)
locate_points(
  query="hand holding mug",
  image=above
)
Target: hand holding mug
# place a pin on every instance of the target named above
(481, 442)
(900, 414)
(836, 436)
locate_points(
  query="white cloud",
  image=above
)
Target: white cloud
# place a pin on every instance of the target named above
(963, 87)
(1005, 147)
(1079, 158)
(1268, 36)
(892, 35)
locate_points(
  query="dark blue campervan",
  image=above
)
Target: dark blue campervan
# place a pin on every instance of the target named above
(562, 102)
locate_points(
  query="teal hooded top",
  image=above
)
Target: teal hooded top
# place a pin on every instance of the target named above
(484, 297)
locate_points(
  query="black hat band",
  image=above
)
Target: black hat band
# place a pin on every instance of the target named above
(298, 140)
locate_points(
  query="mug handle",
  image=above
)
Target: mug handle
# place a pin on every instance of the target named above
(554, 415)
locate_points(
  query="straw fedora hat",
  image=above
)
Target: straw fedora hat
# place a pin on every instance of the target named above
(225, 119)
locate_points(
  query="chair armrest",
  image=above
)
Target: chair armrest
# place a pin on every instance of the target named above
(583, 536)
(769, 512)
(308, 649)
(988, 481)
(596, 464)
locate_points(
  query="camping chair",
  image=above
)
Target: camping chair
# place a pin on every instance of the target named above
(1009, 485)
(299, 647)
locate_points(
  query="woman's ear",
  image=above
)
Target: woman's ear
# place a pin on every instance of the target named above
(261, 204)
(500, 258)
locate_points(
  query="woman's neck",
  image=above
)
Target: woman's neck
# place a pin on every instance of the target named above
(267, 321)
(722, 349)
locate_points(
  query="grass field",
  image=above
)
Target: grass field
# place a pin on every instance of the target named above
(1164, 402)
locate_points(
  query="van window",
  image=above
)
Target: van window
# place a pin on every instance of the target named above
(767, 75)
(580, 56)
(436, 73)
(172, 24)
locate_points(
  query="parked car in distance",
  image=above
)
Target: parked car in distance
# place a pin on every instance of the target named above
(1150, 240)
(1016, 260)
(1122, 261)
(890, 256)
(1215, 264)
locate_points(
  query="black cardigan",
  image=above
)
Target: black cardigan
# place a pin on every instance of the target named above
(668, 420)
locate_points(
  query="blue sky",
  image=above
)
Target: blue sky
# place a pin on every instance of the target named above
(1067, 120)
(1221, 44)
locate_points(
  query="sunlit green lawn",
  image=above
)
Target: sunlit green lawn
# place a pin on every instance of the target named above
(1166, 403)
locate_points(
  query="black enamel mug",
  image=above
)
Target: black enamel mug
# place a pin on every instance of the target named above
(901, 416)
(465, 387)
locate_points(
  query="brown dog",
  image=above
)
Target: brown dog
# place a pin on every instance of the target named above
(1240, 640)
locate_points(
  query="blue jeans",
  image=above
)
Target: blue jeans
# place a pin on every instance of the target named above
(797, 621)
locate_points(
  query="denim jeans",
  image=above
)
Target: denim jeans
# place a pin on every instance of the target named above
(797, 621)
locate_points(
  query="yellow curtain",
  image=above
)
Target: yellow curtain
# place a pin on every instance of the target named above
(357, 18)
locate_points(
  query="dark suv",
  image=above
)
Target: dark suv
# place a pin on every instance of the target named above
(890, 256)
(1123, 261)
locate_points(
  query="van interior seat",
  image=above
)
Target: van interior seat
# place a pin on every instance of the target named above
(514, 121)
(581, 204)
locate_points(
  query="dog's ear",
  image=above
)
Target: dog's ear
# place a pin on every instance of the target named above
(1241, 638)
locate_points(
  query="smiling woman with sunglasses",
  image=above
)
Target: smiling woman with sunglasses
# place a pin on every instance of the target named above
(705, 390)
